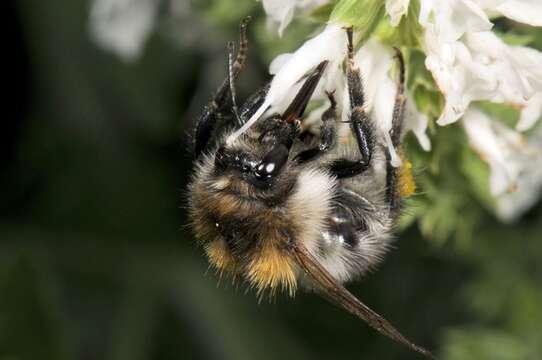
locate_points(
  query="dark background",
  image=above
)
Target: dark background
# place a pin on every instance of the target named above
(97, 261)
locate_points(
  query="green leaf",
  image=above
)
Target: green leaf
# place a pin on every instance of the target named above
(222, 12)
(477, 171)
(321, 14)
(427, 96)
(515, 39)
(480, 343)
(505, 113)
(428, 102)
(417, 71)
(363, 15)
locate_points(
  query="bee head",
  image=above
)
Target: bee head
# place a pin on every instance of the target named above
(260, 161)
(260, 156)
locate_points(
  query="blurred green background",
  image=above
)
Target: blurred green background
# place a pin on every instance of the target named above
(97, 261)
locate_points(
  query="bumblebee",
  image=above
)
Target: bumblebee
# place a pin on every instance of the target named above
(279, 207)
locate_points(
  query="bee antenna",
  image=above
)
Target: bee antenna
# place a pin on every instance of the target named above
(231, 50)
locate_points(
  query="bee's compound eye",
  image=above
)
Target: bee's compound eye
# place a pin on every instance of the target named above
(272, 163)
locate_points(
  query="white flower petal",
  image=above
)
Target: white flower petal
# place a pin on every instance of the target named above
(448, 64)
(511, 205)
(281, 12)
(530, 113)
(329, 45)
(524, 11)
(449, 20)
(516, 68)
(395, 159)
(417, 122)
(396, 9)
(383, 104)
(375, 60)
(382, 115)
(502, 148)
(278, 62)
(344, 127)
(123, 26)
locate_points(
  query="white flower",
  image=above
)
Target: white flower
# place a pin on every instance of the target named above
(515, 162)
(281, 12)
(288, 69)
(498, 145)
(449, 60)
(396, 9)
(123, 26)
(448, 20)
(470, 63)
(516, 69)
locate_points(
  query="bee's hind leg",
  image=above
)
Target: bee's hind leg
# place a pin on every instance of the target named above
(328, 133)
(220, 106)
(360, 122)
(392, 192)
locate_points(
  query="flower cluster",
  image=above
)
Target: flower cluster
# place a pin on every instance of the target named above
(470, 63)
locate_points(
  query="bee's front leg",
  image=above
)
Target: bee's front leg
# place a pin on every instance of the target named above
(220, 106)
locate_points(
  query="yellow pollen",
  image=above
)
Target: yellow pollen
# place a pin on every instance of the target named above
(406, 185)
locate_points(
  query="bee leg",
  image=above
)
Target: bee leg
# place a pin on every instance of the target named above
(392, 194)
(328, 134)
(400, 101)
(360, 122)
(220, 106)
